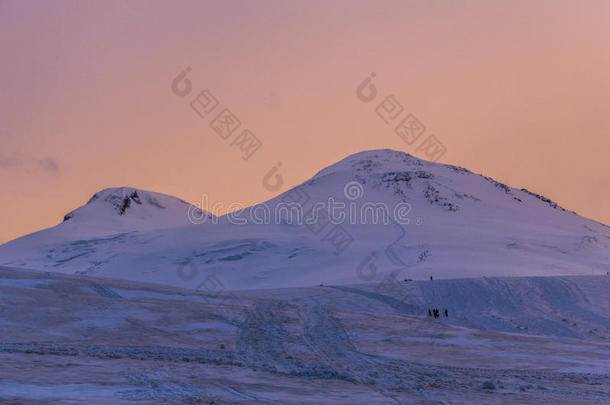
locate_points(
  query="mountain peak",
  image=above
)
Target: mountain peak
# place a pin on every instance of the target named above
(122, 198)
(127, 208)
(377, 160)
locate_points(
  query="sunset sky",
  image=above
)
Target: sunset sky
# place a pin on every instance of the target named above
(516, 90)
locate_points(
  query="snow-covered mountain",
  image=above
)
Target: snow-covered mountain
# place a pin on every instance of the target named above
(126, 209)
(118, 210)
(370, 214)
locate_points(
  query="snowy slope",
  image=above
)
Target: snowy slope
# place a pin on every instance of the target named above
(453, 223)
(69, 339)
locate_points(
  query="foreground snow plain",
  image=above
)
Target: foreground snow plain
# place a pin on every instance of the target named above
(78, 339)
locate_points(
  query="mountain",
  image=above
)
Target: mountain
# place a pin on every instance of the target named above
(126, 209)
(371, 214)
(119, 210)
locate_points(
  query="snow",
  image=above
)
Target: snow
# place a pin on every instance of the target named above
(83, 339)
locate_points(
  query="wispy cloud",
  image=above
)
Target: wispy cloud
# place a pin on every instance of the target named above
(49, 165)
(10, 162)
(19, 162)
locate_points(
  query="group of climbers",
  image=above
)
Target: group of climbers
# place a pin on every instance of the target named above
(435, 312)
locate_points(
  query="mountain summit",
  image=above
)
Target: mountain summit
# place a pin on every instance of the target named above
(125, 209)
(369, 215)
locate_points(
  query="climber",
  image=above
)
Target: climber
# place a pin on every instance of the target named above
(446, 313)
(429, 312)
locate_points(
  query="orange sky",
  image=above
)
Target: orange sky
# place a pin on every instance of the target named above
(517, 90)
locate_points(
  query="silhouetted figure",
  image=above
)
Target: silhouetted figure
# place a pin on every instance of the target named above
(446, 313)
(435, 313)
(430, 278)
(429, 312)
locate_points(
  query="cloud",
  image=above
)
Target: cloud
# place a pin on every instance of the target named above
(10, 162)
(49, 165)
(19, 162)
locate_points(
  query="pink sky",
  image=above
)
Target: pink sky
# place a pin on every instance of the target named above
(516, 90)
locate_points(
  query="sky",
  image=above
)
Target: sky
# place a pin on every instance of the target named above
(516, 90)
